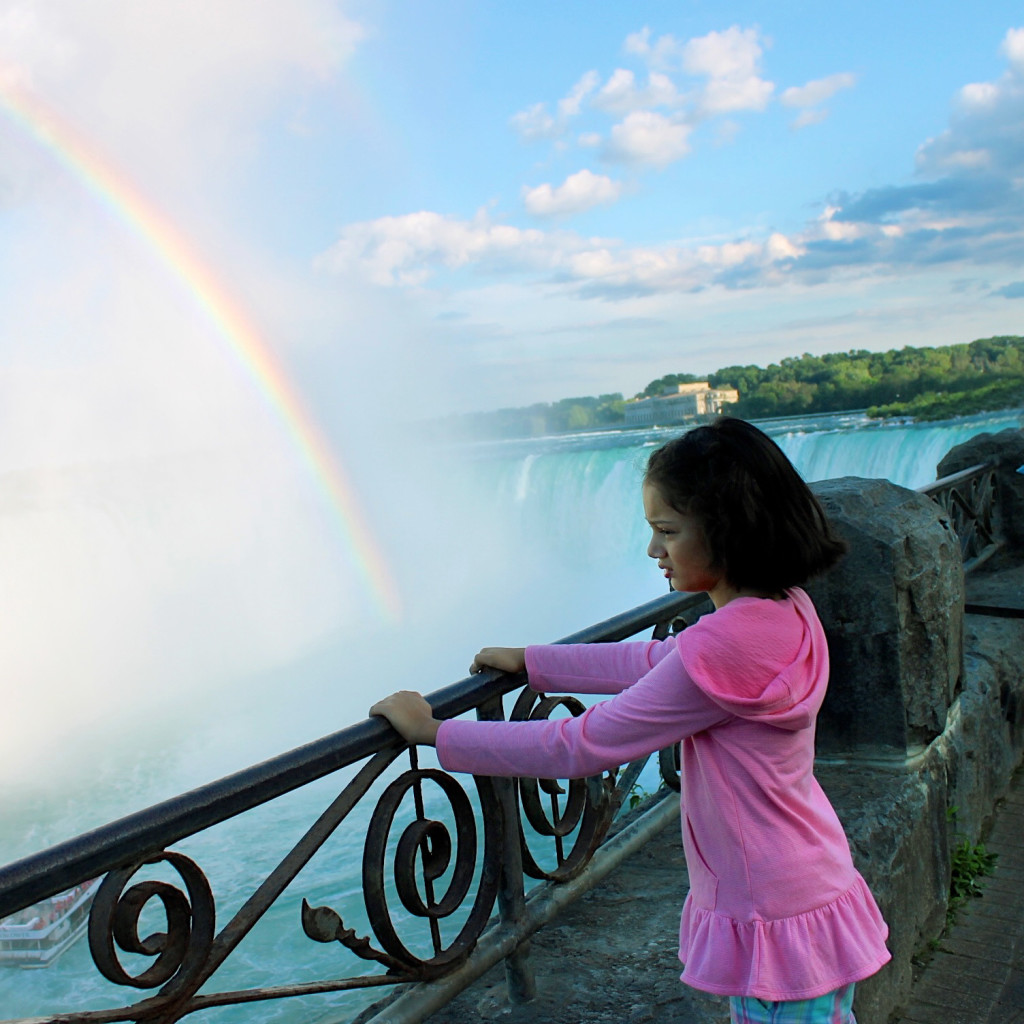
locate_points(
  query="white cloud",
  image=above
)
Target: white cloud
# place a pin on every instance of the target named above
(731, 62)
(665, 53)
(836, 230)
(28, 48)
(809, 98)
(1013, 47)
(819, 90)
(964, 207)
(779, 247)
(619, 91)
(405, 250)
(734, 53)
(579, 192)
(170, 88)
(965, 159)
(808, 117)
(723, 95)
(570, 105)
(688, 81)
(646, 137)
(537, 123)
(639, 42)
(986, 126)
(979, 94)
(621, 94)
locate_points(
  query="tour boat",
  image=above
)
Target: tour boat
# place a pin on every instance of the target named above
(37, 935)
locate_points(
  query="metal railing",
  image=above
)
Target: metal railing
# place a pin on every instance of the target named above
(483, 839)
(481, 853)
(969, 499)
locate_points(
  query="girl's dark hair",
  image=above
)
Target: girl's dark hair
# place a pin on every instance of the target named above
(764, 528)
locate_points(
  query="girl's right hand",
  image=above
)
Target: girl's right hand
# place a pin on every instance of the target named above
(504, 659)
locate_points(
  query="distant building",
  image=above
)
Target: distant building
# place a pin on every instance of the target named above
(679, 404)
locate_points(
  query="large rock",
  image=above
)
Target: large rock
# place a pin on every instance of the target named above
(1006, 450)
(897, 824)
(986, 745)
(893, 614)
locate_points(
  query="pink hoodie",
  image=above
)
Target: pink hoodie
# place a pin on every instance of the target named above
(776, 909)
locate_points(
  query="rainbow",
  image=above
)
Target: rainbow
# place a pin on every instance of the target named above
(60, 139)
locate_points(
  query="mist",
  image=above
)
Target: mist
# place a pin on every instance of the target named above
(177, 597)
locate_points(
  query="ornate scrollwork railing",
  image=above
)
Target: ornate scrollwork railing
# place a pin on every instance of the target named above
(435, 857)
(968, 499)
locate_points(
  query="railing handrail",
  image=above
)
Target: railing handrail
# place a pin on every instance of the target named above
(121, 842)
(954, 478)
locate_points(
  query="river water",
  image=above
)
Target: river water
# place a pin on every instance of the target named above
(534, 539)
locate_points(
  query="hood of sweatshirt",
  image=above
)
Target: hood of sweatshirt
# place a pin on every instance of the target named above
(760, 659)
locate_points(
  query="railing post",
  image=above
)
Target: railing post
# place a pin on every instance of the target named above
(1005, 450)
(519, 977)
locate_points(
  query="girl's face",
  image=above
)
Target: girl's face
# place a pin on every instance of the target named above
(678, 543)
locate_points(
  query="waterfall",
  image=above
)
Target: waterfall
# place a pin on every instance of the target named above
(579, 499)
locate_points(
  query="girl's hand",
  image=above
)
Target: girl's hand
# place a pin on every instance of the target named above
(410, 715)
(505, 659)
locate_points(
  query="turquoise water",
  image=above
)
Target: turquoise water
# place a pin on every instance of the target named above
(565, 539)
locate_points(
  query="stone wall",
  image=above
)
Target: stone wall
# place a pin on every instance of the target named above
(917, 739)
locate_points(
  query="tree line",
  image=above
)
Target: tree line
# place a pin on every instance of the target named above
(926, 383)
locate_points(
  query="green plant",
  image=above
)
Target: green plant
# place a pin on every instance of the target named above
(971, 861)
(637, 793)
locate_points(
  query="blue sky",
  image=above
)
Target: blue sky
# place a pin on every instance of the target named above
(462, 205)
(580, 197)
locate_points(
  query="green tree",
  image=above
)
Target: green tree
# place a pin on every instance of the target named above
(924, 382)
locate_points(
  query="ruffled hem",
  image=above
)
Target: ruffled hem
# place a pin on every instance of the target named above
(799, 957)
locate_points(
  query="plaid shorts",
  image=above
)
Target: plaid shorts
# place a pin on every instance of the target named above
(831, 1008)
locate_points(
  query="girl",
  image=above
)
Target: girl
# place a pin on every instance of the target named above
(777, 917)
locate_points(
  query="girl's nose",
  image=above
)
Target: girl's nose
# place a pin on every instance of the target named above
(655, 549)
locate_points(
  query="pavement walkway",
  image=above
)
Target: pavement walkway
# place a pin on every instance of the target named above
(592, 969)
(609, 958)
(977, 973)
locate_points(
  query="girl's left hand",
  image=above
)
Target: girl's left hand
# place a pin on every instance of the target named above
(410, 715)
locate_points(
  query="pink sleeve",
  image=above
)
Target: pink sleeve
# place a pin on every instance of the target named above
(593, 668)
(662, 708)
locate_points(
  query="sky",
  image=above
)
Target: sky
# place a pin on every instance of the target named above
(462, 205)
